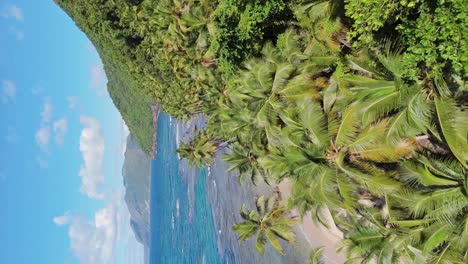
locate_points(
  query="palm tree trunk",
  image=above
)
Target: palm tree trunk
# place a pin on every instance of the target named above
(428, 142)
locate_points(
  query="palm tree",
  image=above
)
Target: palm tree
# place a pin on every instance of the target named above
(268, 222)
(246, 162)
(201, 149)
(409, 107)
(316, 256)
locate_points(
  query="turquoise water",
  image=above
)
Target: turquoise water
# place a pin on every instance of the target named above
(177, 235)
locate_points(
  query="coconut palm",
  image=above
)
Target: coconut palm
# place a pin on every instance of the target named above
(246, 162)
(268, 222)
(200, 150)
(316, 256)
(410, 107)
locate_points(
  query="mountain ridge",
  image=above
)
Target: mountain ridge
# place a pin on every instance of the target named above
(136, 173)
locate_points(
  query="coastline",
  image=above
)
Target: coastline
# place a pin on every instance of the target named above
(226, 196)
(155, 108)
(316, 234)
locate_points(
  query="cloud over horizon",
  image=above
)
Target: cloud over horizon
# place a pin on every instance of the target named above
(12, 135)
(60, 129)
(46, 113)
(98, 79)
(17, 33)
(13, 12)
(92, 242)
(43, 138)
(37, 89)
(92, 149)
(42, 135)
(43, 164)
(8, 91)
(72, 100)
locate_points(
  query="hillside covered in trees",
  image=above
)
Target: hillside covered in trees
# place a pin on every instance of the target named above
(361, 104)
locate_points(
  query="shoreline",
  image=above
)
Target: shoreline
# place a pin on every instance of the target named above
(226, 196)
(220, 183)
(155, 114)
(315, 234)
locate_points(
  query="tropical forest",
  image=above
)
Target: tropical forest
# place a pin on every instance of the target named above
(362, 105)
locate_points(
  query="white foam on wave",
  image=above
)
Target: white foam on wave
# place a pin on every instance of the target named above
(177, 208)
(172, 220)
(177, 139)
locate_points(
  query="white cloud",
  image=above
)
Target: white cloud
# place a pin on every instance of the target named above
(37, 89)
(46, 113)
(18, 33)
(92, 242)
(42, 162)
(43, 138)
(13, 12)
(8, 91)
(103, 93)
(60, 129)
(124, 132)
(43, 134)
(63, 220)
(92, 149)
(90, 47)
(72, 101)
(98, 76)
(12, 135)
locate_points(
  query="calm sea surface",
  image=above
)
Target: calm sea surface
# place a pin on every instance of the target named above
(182, 231)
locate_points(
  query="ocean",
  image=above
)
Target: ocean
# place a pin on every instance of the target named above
(182, 226)
(193, 210)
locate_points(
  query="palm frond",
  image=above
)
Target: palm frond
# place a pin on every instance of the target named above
(348, 126)
(424, 203)
(330, 95)
(316, 256)
(454, 128)
(260, 243)
(282, 75)
(415, 174)
(346, 190)
(313, 119)
(376, 108)
(437, 238)
(274, 241)
(284, 232)
(260, 204)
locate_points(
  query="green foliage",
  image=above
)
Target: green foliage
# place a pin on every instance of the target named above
(370, 16)
(360, 152)
(159, 47)
(200, 150)
(134, 108)
(436, 39)
(161, 50)
(372, 130)
(316, 256)
(268, 222)
(432, 32)
(242, 27)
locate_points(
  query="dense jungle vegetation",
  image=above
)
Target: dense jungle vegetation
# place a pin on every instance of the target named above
(361, 104)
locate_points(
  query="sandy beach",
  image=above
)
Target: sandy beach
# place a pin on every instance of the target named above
(226, 196)
(317, 235)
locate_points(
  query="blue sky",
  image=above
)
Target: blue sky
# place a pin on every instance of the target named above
(62, 143)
